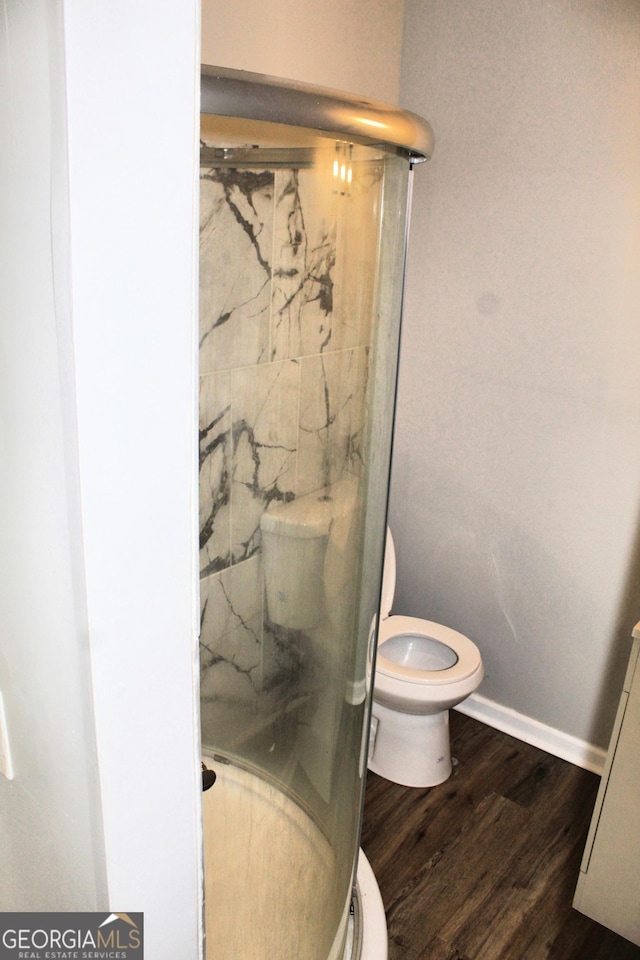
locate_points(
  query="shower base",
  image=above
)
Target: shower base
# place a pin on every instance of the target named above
(264, 853)
(373, 929)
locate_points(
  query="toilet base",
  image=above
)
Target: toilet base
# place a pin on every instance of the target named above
(412, 750)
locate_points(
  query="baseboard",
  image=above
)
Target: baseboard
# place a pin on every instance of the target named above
(559, 744)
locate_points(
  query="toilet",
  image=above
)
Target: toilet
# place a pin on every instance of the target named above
(422, 669)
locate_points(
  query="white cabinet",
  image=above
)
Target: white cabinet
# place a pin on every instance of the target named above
(609, 885)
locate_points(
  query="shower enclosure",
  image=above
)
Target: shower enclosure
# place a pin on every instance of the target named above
(303, 216)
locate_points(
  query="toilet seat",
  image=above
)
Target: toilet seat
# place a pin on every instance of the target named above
(468, 656)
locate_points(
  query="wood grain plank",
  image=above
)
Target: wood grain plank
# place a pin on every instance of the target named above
(484, 866)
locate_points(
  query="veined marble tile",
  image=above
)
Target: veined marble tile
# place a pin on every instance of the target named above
(332, 417)
(265, 426)
(282, 412)
(357, 253)
(286, 660)
(215, 472)
(302, 320)
(231, 634)
(236, 239)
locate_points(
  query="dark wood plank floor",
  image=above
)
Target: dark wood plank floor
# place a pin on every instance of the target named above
(484, 866)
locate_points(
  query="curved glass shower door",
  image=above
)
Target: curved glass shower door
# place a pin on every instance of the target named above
(302, 250)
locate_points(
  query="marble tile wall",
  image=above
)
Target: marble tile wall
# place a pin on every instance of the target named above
(286, 292)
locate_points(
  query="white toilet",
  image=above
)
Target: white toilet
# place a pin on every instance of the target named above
(422, 669)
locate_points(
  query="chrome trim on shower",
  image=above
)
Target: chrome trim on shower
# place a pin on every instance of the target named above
(253, 96)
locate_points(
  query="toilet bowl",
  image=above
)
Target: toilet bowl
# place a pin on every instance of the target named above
(422, 669)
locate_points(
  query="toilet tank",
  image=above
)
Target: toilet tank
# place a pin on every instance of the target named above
(295, 535)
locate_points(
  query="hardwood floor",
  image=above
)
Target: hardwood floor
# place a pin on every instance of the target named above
(484, 866)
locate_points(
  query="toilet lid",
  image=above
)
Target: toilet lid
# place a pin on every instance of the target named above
(388, 577)
(467, 655)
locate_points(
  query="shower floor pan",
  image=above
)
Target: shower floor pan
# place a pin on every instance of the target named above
(262, 850)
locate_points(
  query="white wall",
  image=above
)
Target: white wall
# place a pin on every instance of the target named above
(133, 88)
(516, 488)
(351, 45)
(50, 825)
(98, 420)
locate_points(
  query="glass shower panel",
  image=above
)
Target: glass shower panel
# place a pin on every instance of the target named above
(302, 245)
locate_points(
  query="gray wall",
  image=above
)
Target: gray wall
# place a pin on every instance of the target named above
(345, 44)
(516, 483)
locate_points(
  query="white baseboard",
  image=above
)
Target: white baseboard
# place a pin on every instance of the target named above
(559, 744)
